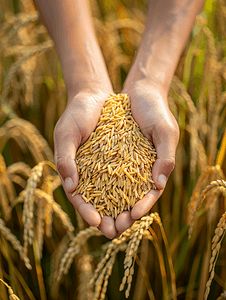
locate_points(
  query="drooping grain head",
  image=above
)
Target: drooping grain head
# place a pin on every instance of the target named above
(115, 163)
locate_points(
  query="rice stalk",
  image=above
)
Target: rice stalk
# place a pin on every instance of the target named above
(40, 194)
(202, 98)
(209, 172)
(15, 243)
(190, 290)
(221, 11)
(14, 273)
(39, 271)
(145, 277)
(131, 250)
(21, 20)
(216, 245)
(196, 143)
(215, 124)
(134, 235)
(27, 132)
(50, 116)
(85, 266)
(212, 203)
(4, 293)
(16, 179)
(12, 296)
(40, 226)
(28, 210)
(16, 171)
(162, 267)
(75, 245)
(4, 202)
(55, 183)
(169, 258)
(213, 67)
(54, 266)
(13, 69)
(222, 151)
(7, 193)
(19, 168)
(27, 69)
(200, 200)
(48, 209)
(102, 281)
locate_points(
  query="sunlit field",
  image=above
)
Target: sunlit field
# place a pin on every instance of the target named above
(47, 251)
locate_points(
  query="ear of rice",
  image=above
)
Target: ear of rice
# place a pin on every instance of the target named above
(115, 163)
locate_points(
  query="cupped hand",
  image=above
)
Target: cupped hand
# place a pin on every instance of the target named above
(151, 112)
(73, 129)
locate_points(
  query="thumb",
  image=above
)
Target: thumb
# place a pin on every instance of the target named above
(162, 169)
(164, 163)
(65, 150)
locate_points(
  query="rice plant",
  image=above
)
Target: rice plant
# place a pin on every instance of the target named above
(47, 251)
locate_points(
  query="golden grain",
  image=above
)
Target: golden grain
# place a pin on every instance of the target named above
(208, 172)
(200, 200)
(29, 134)
(12, 296)
(85, 266)
(113, 169)
(15, 243)
(74, 247)
(40, 194)
(134, 235)
(28, 211)
(216, 245)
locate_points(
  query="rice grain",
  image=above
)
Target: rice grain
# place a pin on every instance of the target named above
(117, 159)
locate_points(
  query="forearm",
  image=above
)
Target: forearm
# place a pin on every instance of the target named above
(167, 28)
(70, 26)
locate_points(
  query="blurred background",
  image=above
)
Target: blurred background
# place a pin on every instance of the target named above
(33, 97)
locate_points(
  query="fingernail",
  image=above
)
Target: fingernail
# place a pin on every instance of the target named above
(68, 184)
(162, 180)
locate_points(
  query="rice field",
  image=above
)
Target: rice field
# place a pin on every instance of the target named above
(47, 251)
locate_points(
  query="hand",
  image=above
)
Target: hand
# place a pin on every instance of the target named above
(73, 129)
(151, 112)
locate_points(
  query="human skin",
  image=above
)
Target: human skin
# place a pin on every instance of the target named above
(167, 28)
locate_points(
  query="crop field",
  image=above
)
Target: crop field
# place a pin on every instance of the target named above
(47, 251)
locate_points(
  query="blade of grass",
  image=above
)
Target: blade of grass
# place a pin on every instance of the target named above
(4, 294)
(205, 271)
(222, 151)
(193, 274)
(18, 274)
(146, 279)
(161, 263)
(170, 261)
(139, 291)
(39, 270)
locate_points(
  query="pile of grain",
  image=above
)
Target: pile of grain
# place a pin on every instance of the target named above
(115, 163)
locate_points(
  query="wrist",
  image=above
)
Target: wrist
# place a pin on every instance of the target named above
(155, 69)
(88, 84)
(168, 25)
(146, 85)
(96, 91)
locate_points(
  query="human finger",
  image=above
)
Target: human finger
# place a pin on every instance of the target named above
(145, 204)
(124, 221)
